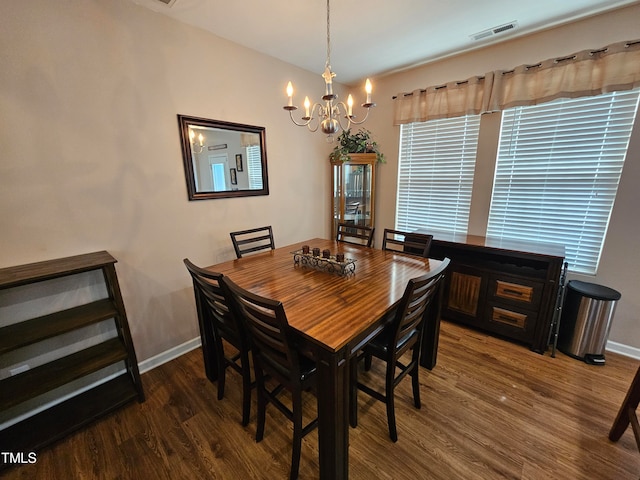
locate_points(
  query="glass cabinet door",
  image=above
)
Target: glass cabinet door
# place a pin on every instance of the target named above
(353, 185)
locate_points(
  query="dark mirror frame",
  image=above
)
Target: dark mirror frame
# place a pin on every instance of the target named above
(184, 122)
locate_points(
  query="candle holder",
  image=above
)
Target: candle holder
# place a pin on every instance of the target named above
(337, 264)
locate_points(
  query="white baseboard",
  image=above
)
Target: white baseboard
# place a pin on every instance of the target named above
(622, 349)
(168, 355)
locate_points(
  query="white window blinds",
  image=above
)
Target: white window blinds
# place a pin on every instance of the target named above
(558, 170)
(435, 175)
(254, 167)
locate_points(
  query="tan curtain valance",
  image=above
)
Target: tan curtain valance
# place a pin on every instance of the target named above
(590, 72)
(454, 99)
(249, 139)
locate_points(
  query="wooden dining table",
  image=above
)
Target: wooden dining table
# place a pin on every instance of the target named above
(334, 315)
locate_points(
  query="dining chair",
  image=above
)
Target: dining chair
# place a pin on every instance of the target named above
(275, 358)
(402, 334)
(407, 242)
(355, 234)
(217, 323)
(252, 240)
(352, 208)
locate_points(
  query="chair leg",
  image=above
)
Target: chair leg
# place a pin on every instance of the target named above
(367, 361)
(222, 370)
(297, 434)
(246, 390)
(390, 401)
(221, 365)
(415, 381)
(353, 392)
(262, 408)
(629, 405)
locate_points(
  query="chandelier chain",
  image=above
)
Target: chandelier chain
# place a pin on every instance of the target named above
(328, 63)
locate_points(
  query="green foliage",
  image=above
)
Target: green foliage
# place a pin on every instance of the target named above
(359, 142)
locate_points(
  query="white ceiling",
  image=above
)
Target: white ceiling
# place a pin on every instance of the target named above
(372, 37)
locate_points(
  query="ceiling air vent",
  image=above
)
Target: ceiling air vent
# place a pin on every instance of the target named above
(494, 31)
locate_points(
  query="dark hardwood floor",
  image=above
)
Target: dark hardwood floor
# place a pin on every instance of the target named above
(491, 410)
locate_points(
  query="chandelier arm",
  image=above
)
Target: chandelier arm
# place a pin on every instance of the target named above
(320, 109)
(351, 119)
(339, 115)
(303, 124)
(315, 113)
(307, 121)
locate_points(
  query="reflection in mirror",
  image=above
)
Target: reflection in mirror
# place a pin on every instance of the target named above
(223, 159)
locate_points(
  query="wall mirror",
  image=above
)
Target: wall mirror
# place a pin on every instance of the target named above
(223, 159)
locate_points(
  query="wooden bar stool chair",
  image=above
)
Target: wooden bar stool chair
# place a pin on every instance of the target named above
(355, 234)
(406, 242)
(217, 323)
(402, 334)
(252, 240)
(276, 358)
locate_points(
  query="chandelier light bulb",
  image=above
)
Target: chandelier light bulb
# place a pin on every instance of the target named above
(290, 94)
(307, 105)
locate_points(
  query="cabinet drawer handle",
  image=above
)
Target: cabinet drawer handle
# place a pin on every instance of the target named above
(512, 318)
(513, 292)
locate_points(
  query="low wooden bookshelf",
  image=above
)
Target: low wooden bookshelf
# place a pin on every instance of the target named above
(35, 428)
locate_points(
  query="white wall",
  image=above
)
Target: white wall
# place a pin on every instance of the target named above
(620, 263)
(89, 96)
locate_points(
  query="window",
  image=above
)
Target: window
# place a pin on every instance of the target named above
(254, 167)
(558, 170)
(435, 175)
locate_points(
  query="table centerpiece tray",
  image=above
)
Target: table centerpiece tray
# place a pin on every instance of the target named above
(330, 264)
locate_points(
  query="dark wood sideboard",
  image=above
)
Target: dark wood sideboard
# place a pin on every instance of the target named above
(500, 286)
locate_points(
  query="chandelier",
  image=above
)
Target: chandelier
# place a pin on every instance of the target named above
(196, 147)
(328, 116)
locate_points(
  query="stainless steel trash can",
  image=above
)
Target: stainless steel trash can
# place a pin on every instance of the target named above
(586, 320)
